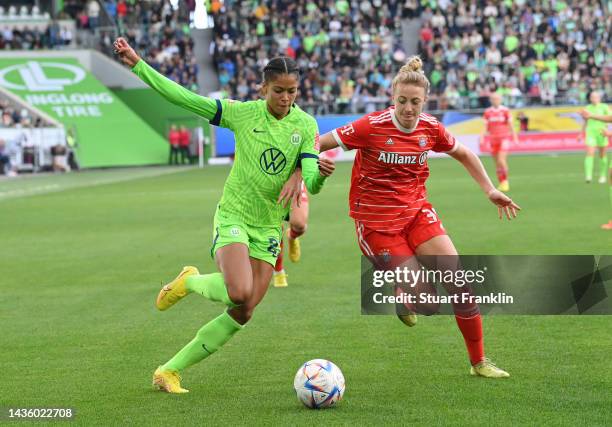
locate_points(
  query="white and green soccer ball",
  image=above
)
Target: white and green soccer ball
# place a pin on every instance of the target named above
(319, 384)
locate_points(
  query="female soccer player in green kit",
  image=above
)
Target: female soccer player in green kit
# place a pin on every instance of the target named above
(272, 135)
(594, 138)
(604, 118)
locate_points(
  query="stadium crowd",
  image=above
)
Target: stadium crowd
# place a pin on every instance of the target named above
(538, 52)
(541, 52)
(160, 32)
(11, 116)
(347, 51)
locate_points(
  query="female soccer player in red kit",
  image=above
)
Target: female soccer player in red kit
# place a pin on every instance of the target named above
(498, 122)
(388, 197)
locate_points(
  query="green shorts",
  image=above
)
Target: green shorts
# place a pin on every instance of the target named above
(263, 242)
(596, 140)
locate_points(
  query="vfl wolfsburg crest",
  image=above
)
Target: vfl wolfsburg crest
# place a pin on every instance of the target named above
(296, 138)
(272, 161)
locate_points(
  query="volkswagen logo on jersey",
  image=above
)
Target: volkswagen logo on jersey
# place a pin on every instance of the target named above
(296, 138)
(272, 161)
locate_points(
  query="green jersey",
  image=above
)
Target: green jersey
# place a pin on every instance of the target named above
(594, 127)
(267, 149)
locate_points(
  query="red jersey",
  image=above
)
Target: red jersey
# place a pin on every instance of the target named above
(184, 138)
(390, 168)
(174, 136)
(497, 121)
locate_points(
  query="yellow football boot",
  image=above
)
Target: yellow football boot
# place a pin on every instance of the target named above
(487, 369)
(409, 319)
(279, 279)
(168, 381)
(171, 293)
(295, 252)
(504, 186)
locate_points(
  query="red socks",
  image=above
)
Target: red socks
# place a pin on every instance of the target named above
(279, 261)
(502, 174)
(293, 234)
(471, 329)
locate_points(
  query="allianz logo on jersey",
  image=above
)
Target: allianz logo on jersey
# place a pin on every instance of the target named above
(403, 159)
(32, 76)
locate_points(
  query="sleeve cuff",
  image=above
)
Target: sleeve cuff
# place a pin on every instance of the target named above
(455, 148)
(338, 140)
(138, 65)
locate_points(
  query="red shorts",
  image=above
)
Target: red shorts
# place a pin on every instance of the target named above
(499, 143)
(425, 225)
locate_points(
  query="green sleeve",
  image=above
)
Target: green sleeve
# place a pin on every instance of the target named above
(310, 174)
(309, 155)
(176, 94)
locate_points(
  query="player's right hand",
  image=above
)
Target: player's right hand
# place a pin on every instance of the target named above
(292, 190)
(125, 52)
(585, 114)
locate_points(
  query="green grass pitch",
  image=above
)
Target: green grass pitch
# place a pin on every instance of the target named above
(83, 256)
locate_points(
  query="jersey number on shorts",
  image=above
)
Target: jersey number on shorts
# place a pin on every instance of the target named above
(273, 248)
(431, 215)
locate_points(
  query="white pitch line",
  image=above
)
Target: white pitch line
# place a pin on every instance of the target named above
(55, 188)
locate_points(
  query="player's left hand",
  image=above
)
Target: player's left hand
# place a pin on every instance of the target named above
(326, 166)
(292, 190)
(504, 204)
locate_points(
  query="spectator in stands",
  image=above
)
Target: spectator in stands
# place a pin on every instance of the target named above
(5, 160)
(93, 14)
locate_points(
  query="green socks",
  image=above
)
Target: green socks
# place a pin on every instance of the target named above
(603, 167)
(210, 286)
(589, 163)
(209, 339)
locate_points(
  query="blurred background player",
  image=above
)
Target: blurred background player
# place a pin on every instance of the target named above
(298, 221)
(607, 134)
(184, 141)
(174, 138)
(593, 134)
(247, 223)
(498, 127)
(388, 198)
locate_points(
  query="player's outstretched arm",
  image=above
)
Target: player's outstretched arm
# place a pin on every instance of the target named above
(327, 142)
(586, 115)
(474, 166)
(170, 90)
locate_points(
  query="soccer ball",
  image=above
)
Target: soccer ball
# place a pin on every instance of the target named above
(319, 384)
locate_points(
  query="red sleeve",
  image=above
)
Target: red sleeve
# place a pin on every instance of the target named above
(508, 116)
(354, 135)
(445, 143)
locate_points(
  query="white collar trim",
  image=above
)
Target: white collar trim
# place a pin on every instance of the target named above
(399, 126)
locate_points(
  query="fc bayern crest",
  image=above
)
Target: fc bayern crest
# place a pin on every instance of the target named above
(422, 142)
